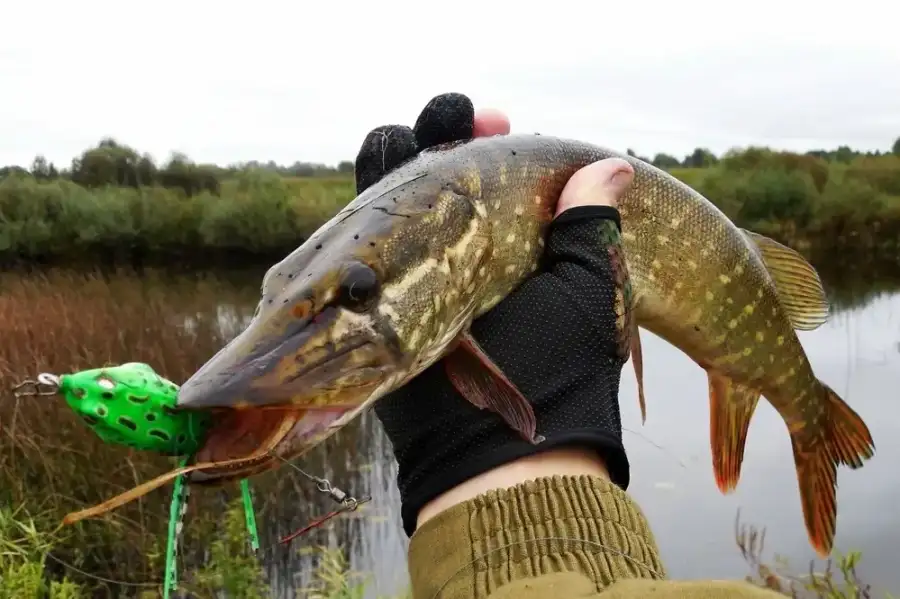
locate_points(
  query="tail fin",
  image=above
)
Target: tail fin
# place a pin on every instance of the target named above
(843, 439)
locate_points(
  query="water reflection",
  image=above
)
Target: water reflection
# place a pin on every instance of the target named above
(856, 353)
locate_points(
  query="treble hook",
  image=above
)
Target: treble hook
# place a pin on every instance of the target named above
(45, 385)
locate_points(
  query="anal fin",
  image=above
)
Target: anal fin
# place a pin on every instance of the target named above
(731, 409)
(482, 383)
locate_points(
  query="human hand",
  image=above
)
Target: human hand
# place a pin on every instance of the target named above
(559, 337)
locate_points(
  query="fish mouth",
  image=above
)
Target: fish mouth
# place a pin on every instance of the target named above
(284, 395)
(244, 443)
(287, 412)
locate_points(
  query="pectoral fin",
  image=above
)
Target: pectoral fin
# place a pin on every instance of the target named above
(731, 408)
(482, 383)
(799, 287)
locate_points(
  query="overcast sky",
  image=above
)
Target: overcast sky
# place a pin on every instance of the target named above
(227, 82)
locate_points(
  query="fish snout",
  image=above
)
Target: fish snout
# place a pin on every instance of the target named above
(336, 357)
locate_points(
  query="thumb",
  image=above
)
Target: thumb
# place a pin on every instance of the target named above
(602, 183)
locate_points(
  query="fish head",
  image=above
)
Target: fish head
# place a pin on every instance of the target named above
(374, 297)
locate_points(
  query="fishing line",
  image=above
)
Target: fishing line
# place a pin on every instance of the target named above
(849, 358)
(265, 551)
(655, 573)
(656, 445)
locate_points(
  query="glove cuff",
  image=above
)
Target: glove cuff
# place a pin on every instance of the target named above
(579, 213)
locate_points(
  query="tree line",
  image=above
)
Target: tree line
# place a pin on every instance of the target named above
(702, 157)
(113, 163)
(115, 205)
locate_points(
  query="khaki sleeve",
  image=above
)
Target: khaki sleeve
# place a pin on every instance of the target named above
(572, 585)
(693, 589)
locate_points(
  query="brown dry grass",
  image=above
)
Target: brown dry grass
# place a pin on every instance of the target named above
(49, 461)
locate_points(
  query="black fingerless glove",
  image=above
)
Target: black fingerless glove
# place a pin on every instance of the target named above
(557, 338)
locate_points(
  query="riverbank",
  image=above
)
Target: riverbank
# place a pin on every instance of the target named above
(256, 216)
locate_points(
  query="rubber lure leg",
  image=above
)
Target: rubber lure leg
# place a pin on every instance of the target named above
(177, 509)
(250, 515)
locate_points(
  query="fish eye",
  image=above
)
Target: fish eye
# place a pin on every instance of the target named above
(358, 287)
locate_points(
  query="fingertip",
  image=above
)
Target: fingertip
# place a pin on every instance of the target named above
(446, 118)
(619, 172)
(489, 121)
(382, 150)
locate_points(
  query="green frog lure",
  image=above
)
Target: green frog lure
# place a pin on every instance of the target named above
(132, 405)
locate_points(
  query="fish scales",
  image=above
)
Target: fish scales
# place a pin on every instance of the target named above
(391, 283)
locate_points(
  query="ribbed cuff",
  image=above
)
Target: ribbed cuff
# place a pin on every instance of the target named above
(578, 524)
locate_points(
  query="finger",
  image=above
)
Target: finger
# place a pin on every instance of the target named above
(490, 122)
(383, 149)
(446, 118)
(602, 183)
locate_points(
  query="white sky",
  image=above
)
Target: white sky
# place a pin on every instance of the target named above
(226, 82)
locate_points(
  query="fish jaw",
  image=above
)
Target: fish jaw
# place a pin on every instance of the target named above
(300, 389)
(276, 437)
(309, 362)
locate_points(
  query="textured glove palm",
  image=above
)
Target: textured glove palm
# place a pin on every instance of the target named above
(557, 338)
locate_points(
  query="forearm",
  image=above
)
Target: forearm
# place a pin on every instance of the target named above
(561, 462)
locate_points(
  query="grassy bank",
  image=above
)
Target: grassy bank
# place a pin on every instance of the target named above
(126, 211)
(51, 464)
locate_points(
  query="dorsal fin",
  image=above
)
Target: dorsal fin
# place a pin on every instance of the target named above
(799, 287)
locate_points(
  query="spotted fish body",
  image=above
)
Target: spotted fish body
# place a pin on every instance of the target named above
(391, 283)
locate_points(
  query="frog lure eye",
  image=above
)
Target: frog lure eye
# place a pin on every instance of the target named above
(133, 406)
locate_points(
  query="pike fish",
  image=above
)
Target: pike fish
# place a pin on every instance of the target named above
(390, 285)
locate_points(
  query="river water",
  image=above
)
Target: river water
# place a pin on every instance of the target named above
(857, 353)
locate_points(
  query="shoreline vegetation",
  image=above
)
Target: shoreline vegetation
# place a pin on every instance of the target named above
(114, 206)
